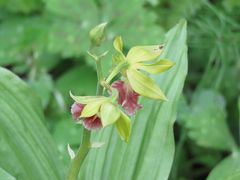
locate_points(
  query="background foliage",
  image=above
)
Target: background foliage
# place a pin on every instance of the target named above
(44, 42)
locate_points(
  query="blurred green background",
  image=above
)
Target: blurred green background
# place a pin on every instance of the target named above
(45, 43)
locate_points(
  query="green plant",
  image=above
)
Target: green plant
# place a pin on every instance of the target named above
(29, 108)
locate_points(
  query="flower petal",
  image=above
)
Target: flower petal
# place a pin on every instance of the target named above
(109, 113)
(144, 85)
(123, 126)
(144, 53)
(157, 67)
(128, 98)
(118, 44)
(91, 123)
(87, 99)
(91, 109)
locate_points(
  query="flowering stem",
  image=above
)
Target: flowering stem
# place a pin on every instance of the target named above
(85, 145)
(100, 76)
(80, 156)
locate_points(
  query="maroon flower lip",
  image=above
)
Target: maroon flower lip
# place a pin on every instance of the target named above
(93, 122)
(128, 98)
(76, 110)
(90, 123)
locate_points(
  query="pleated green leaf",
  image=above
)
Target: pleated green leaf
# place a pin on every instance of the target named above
(27, 151)
(149, 153)
(5, 176)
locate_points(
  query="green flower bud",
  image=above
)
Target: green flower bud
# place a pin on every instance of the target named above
(97, 34)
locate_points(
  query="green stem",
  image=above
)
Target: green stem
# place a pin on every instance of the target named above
(85, 145)
(100, 76)
(80, 156)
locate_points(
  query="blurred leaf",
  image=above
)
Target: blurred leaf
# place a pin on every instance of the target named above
(228, 169)
(231, 4)
(5, 176)
(81, 80)
(72, 40)
(171, 11)
(27, 150)
(24, 6)
(66, 132)
(207, 121)
(137, 25)
(183, 109)
(46, 61)
(239, 108)
(149, 153)
(43, 86)
(73, 10)
(22, 37)
(205, 156)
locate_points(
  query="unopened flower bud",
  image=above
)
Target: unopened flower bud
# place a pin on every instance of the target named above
(97, 34)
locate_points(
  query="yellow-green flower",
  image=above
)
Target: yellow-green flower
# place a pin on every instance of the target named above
(104, 109)
(135, 62)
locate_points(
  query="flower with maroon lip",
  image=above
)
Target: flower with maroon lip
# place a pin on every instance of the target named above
(90, 123)
(101, 111)
(128, 98)
(132, 65)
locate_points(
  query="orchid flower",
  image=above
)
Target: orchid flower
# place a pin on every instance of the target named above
(100, 111)
(136, 81)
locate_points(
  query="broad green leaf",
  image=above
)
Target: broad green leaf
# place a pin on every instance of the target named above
(5, 176)
(109, 114)
(144, 53)
(144, 85)
(27, 149)
(149, 153)
(207, 121)
(157, 67)
(228, 169)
